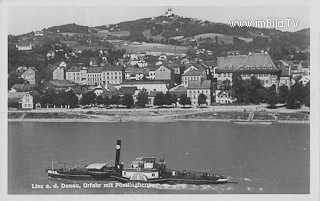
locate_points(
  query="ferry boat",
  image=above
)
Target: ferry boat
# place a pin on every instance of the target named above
(143, 169)
(250, 120)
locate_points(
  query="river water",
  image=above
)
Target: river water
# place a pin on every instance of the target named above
(262, 159)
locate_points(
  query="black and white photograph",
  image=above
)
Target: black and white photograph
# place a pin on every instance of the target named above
(201, 100)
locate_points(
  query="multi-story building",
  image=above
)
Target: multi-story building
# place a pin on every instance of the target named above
(259, 65)
(95, 75)
(196, 88)
(193, 75)
(112, 75)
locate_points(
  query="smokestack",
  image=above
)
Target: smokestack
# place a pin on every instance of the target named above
(118, 147)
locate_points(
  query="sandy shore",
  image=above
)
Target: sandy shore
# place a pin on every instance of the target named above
(213, 113)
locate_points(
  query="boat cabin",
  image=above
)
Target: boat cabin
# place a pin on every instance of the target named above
(97, 167)
(142, 169)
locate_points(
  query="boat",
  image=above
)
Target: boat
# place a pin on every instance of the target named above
(142, 169)
(250, 120)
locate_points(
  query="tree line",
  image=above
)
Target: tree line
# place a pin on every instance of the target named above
(252, 91)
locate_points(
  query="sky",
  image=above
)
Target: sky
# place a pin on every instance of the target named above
(24, 19)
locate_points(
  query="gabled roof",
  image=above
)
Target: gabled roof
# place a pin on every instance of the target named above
(206, 84)
(153, 68)
(100, 87)
(193, 72)
(34, 69)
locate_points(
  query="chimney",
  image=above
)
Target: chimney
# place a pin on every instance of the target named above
(118, 148)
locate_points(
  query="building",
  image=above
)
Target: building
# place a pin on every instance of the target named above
(21, 69)
(193, 75)
(25, 99)
(112, 75)
(38, 33)
(58, 85)
(259, 65)
(58, 74)
(24, 46)
(163, 73)
(31, 75)
(149, 85)
(22, 87)
(196, 88)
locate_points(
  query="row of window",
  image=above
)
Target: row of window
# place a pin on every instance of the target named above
(191, 78)
(198, 91)
(243, 75)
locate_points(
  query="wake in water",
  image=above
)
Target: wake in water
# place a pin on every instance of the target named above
(192, 187)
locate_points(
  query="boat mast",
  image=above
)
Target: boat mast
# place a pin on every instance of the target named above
(51, 163)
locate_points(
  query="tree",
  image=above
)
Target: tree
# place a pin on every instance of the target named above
(202, 99)
(283, 93)
(159, 99)
(272, 98)
(127, 100)
(143, 98)
(88, 98)
(238, 87)
(99, 100)
(306, 93)
(70, 98)
(14, 79)
(295, 97)
(106, 100)
(184, 100)
(115, 100)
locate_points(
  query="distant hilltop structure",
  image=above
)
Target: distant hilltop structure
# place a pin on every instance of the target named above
(168, 13)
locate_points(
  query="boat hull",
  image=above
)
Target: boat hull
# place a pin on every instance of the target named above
(79, 175)
(252, 122)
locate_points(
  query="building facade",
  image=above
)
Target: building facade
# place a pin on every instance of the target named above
(31, 75)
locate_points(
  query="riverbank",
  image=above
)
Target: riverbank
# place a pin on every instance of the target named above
(212, 113)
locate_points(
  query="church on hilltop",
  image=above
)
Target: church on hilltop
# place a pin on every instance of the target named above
(168, 13)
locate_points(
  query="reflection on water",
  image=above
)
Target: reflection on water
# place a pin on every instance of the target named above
(261, 158)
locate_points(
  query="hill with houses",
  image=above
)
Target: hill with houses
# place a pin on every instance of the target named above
(193, 60)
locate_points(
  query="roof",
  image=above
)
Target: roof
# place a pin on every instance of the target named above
(153, 68)
(126, 82)
(109, 93)
(61, 82)
(258, 60)
(74, 69)
(113, 68)
(101, 87)
(154, 93)
(96, 165)
(206, 84)
(23, 87)
(95, 70)
(127, 90)
(305, 64)
(16, 95)
(144, 159)
(33, 68)
(229, 63)
(193, 72)
(285, 72)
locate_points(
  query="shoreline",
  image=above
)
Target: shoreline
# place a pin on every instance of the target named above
(146, 120)
(217, 114)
